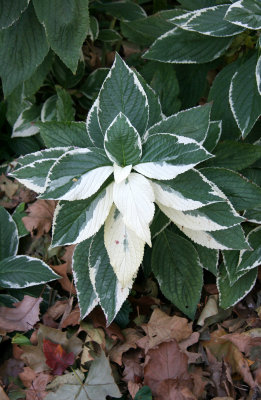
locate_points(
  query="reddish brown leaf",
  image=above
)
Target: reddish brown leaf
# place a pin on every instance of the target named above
(21, 318)
(133, 370)
(54, 312)
(99, 320)
(37, 389)
(68, 255)
(40, 215)
(131, 336)
(65, 281)
(72, 319)
(27, 376)
(173, 389)
(56, 357)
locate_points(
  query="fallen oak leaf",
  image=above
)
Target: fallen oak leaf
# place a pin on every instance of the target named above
(56, 357)
(39, 218)
(21, 318)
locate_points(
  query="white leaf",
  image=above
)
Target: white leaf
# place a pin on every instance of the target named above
(124, 247)
(134, 199)
(161, 169)
(121, 173)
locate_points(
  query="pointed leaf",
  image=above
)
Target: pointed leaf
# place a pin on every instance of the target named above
(123, 92)
(213, 135)
(124, 247)
(76, 221)
(25, 123)
(8, 235)
(176, 266)
(244, 97)
(187, 191)
(134, 199)
(209, 258)
(36, 166)
(251, 259)
(246, 13)
(183, 47)
(93, 126)
(110, 293)
(120, 174)
(11, 12)
(208, 21)
(77, 175)
(19, 272)
(166, 155)
(192, 123)
(59, 133)
(85, 293)
(122, 142)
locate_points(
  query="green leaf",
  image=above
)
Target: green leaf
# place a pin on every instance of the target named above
(122, 142)
(192, 123)
(56, 134)
(58, 107)
(78, 220)
(25, 124)
(197, 4)
(188, 191)
(234, 155)
(176, 266)
(109, 35)
(246, 13)
(66, 27)
(36, 166)
(8, 235)
(158, 224)
(109, 291)
(21, 339)
(242, 193)
(64, 75)
(230, 295)
(143, 394)
(93, 126)
(208, 258)
(244, 97)
(18, 272)
(253, 215)
(29, 47)
(85, 293)
(208, 21)
(167, 155)
(91, 86)
(10, 11)
(213, 135)
(17, 216)
(77, 175)
(123, 92)
(251, 259)
(183, 47)
(219, 95)
(125, 10)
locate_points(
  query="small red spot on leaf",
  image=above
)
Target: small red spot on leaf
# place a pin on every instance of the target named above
(56, 357)
(117, 242)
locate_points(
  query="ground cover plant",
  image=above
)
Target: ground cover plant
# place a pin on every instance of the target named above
(130, 199)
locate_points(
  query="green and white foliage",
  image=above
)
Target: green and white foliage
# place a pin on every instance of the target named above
(18, 272)
(205, 34)
(131, 166)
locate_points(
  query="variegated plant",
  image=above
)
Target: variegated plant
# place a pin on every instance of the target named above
(136, 158)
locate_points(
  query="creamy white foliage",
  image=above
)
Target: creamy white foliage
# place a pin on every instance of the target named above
(134, 199)
(124, 247)
(198, 223)
(29, 129)
(161, 170)
(121, 173)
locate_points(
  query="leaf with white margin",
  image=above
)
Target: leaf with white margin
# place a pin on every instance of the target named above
(122, 92)
(77, 175)
(192, 123)
(244, 97)
(134, 198)
(121, 173)
(167, 155)
(209, 258)
(76, 221)
(122, 142)
(19, 272)
(258, 74)
(230, 295)
(124, 247)
(36, 166)
(213, 135)
(85, 292)
(208, 21)
(225, 239)
(93, 126)
(25, 124)
(183, 47)
(246, 13)
(251, 259)
(187, 191)
(231, 259)
(212, 217)
(109, 291)
(8, 235)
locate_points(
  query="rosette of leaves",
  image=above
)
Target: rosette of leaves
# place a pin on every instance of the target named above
(203, 35)
(19, 271)
(107, 192)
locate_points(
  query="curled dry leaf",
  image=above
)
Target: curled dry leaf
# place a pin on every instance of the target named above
(72, 319)
(131, 337)
(21, 318)
(39, 218)
(54, 312)
(162, 327)
(99, 320)
(133, 370)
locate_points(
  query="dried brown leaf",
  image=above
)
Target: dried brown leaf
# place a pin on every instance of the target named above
(21, 318)
(99, 320)
(39, 218)
(65, 281)
(67, 257)
(72, 319)
(27, 376)
(37, 389)
(131, 337)
(133, 370)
